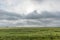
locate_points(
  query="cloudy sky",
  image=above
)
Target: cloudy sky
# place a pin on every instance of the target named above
(30, 12)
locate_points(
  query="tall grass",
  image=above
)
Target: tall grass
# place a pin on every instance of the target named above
(30, 34)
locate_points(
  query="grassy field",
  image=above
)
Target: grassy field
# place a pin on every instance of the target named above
(30, 33)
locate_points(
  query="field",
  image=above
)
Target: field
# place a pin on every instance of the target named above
(30, 33)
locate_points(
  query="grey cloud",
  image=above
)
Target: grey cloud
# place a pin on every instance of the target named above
(9, 16)
(50, 17)
(40, 22)
(34, 18)
(33, 15)
(44, 14)
(5, 24)
(37, 22)
(38, 0)
(28, 22)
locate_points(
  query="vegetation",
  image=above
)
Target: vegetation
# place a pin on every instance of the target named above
(30, 33)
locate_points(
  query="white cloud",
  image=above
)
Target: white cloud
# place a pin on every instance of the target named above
(19, 6)
(26, 6)
(48, 5)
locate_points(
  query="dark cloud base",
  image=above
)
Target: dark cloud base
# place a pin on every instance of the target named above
(9, 16)
(45, 18)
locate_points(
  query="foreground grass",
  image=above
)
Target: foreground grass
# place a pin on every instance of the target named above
(30, 33)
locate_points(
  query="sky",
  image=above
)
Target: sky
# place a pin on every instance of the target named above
(29, 12)
(26, 6)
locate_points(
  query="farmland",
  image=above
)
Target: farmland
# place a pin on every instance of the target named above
(36, 33)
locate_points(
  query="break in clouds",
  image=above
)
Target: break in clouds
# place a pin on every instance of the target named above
(30, 13)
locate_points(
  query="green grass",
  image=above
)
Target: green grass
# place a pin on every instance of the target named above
(30, 33)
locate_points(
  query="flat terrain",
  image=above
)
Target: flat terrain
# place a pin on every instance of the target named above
(30, 33)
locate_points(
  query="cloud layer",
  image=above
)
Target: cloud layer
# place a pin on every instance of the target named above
(32, 19)
(9, 16)
(26, 6)
(29, 12)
